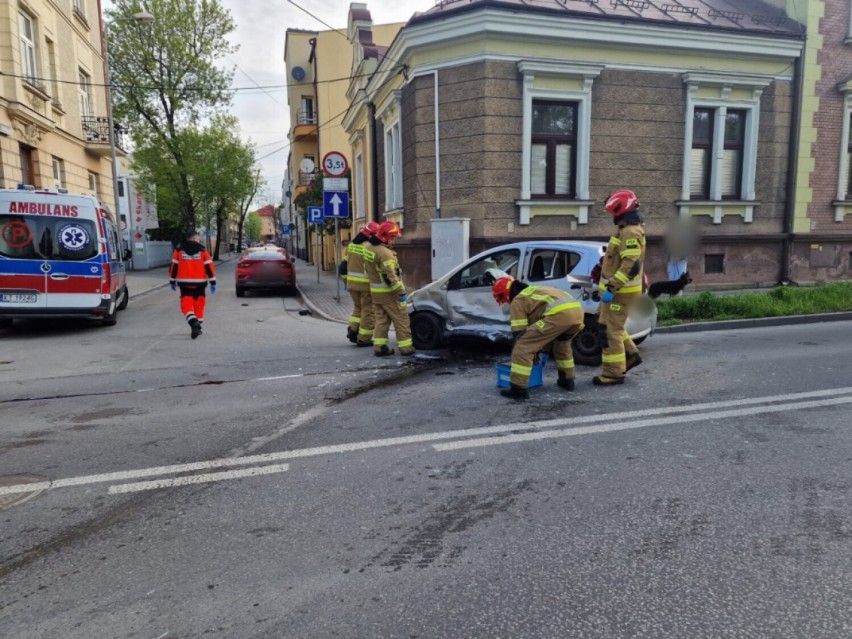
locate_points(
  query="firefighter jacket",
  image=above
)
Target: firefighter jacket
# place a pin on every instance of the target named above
(383, 272)
(192, 265)
(356, 275)
(622, 264)
(537, 302)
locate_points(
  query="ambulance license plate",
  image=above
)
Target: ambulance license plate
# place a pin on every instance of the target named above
(17, 298)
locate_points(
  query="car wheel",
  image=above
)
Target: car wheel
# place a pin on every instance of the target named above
(241, 292)
(6, 322)
(125, 299)
(639, 340)
(427, 330)
(112, 318)
(587, 344)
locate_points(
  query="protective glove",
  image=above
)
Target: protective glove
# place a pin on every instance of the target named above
(173, 285)
(403, 298)
(607, 296)
(212, 289)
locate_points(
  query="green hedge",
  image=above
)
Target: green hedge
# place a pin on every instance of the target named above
(782, 300)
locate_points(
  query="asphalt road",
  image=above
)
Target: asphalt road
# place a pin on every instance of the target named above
(271, 480)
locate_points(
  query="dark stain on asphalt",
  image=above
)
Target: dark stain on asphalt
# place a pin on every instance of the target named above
(21, 443)
(436, 541)
(103, 413)
(675, 528)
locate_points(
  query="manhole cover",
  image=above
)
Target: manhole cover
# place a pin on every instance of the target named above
(15, 499)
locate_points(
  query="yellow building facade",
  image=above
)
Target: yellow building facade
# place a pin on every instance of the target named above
(54, 129)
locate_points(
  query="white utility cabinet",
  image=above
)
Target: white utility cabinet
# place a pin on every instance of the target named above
(450, 244)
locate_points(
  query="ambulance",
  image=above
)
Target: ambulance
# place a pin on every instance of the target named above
(60, 256)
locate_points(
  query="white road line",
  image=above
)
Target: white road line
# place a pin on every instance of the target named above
(197, 479)
(642, 423)
(269, 379)
(628, 418)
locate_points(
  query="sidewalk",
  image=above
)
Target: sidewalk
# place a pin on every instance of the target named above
(321, 296)
(142, 282)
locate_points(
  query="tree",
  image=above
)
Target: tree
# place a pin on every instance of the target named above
(252, 226)
(164, 79)
(245, 203)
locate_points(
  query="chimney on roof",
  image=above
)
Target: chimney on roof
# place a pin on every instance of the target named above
(360, 23)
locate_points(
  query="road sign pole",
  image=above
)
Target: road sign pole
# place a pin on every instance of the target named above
(337, 257)
(317, 254)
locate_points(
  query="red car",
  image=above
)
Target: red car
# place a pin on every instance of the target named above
(267, 268)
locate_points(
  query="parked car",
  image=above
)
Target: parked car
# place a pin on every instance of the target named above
(460, 303)
(265, 268)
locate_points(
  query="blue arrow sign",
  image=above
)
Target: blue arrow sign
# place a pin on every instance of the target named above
(315, 215)
(335, 203)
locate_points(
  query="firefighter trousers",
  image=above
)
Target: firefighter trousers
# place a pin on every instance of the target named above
(558, 330)
(361, 321)
(617, 343)
(392, 312)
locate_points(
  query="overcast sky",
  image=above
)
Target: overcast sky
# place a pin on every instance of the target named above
(261, 30)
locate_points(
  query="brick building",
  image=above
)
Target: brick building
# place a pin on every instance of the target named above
(524, 116)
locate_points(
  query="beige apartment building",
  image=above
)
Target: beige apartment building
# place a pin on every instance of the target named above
(54, 130)
(319, 68)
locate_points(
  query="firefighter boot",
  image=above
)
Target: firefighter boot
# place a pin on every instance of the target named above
(633, 360)
(351, 335)
(601, 380)
(195, 325)
(384, 351)
(515, 392)
(565, 382)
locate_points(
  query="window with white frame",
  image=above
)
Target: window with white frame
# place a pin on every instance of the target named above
(93, 185)
(553, 149)
(557, 118)
(720, 145)
(58, 173)
(85, 88)
(358, 187)
(716, 162)
(80, 7)
(26, 32)
(393, 166)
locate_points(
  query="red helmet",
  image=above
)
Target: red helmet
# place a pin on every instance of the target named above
(621, 202)
(387, 230)
(369, 229)
(500, 290)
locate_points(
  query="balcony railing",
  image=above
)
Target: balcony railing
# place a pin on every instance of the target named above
(96, 130)
(309, 117)
(307, 178)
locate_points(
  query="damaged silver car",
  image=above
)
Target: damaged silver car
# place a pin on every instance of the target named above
(460, 303)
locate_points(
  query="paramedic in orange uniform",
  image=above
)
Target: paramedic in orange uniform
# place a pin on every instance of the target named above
(191, 270)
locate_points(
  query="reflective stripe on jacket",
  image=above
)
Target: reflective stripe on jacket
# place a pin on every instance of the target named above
(624, 259)
(535, 302)
(382, 268)
(192, 268)
(356, 276)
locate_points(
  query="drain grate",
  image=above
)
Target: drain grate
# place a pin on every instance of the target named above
(16, 499)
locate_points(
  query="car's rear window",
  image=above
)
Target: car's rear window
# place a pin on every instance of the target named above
(266, 255)
(30, 237)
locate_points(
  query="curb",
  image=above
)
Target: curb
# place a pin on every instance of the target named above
(316, 310)
(757, 322)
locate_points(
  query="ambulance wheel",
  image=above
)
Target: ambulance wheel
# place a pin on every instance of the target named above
(111, 319)
(125, 298)
(587, 345)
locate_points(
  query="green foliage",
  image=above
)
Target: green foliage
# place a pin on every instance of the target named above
(313, 197)
(165, 78)
(707, 306)
(252, 227)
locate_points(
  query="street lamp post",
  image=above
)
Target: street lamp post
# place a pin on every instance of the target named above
(141, 16)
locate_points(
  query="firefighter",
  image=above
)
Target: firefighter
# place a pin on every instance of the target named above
(546, 316)
(191, 270)
(621, 287)
(360, 329)
(387, 291)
